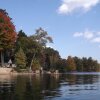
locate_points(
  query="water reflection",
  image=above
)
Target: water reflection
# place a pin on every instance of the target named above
(6, 87)
(49, 87)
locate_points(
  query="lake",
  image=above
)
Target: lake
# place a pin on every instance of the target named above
(70, 86)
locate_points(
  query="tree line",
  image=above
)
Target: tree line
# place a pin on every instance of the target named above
(31, 52)
(82, 64)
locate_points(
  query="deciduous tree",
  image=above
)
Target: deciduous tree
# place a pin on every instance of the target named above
(7, 33)
(71, 64)
(41, 36)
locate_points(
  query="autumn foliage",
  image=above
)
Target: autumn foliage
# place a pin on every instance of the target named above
(7, 31)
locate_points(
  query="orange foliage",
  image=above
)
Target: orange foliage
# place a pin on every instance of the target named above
(7, 31)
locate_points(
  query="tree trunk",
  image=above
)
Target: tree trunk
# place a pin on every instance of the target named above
(32, 62)
(2, 58)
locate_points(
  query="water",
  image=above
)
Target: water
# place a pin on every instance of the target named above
(71, 86)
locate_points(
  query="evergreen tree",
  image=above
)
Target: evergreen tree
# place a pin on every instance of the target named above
(21, 34)
(79, 64)
(20, 59)
(52, 58)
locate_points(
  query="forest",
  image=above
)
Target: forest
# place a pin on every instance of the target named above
(31, 52)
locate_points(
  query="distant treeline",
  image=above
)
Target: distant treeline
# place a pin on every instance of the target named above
(35, 54)
(31, 52)
(82, 64)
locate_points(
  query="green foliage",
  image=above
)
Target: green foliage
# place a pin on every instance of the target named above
(89, 64)
(86, 64)
(21, 34)
(61, 65)
(35, 65)
(34, 45)
(52, 57)
(30, 48)
(79, 64)
(71, 64)
(20, 59)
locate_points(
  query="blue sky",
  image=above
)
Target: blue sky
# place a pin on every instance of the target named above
(73, 24)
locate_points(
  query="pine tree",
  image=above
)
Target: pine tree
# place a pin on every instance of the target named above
(20, 59)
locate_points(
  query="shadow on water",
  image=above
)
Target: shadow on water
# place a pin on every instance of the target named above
(48, 87)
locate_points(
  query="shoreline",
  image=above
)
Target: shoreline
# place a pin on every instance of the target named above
(10, 71)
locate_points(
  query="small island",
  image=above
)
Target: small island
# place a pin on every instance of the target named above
(20, 53)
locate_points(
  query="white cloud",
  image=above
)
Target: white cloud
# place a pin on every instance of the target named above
(96, 40)
(69, 6)
(87, 34)
(78, 34)
(91, 36)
